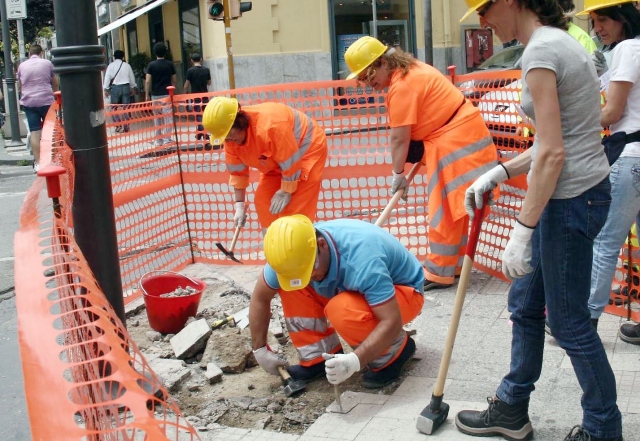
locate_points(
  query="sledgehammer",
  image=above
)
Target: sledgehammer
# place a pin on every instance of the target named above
(437, 411)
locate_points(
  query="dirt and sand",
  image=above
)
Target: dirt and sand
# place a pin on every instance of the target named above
(250, 398)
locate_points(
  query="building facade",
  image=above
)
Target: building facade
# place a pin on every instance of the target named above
(282, 41)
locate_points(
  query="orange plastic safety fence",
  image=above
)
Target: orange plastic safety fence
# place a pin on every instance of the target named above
(84, 377)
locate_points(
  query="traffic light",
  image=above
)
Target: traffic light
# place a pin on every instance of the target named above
(216, 10)
(238, 7)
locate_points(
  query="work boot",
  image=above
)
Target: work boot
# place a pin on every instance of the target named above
(509, 421)
(377, 379)
(429, 285)
(630, 333)
(579, 434)
(308, 373)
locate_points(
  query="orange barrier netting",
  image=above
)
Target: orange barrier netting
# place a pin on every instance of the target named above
(75, 351)
(172, 204)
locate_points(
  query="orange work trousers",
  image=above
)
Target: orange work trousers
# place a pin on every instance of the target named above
(446, 251)
(308, 314)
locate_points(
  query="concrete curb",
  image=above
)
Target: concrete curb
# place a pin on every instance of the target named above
(7, 159)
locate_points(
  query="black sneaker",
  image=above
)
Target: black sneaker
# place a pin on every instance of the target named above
(385, 376)
(509, 421)
(579, 434)
(630, 333)
(429, 285)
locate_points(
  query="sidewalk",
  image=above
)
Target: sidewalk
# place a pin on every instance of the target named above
(14, 155)
(480, 359)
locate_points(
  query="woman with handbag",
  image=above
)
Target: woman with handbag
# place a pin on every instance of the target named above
(618, 25)
(429, 116)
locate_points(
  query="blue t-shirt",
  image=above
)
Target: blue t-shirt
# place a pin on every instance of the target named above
(365, 259)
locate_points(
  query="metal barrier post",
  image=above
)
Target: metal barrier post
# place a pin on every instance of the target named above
(78, 61)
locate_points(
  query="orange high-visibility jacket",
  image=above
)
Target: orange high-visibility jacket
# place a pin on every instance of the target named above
(458, 146)
(279, 140)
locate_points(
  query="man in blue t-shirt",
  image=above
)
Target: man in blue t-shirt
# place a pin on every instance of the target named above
(343, 276)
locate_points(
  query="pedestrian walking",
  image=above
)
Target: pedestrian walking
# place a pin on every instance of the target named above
(550, 250)
(198, 81)
(161, 74)
(37, 83)
(285, 145)
(119, 85)
(344, 278)
(431, 121)
(618, 25)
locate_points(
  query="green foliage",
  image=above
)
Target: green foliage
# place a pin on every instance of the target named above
(139, 64)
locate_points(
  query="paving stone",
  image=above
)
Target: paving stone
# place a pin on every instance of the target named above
(191, 340)
(172, 372)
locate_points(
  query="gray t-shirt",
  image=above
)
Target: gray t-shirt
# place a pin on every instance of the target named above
(585, 163)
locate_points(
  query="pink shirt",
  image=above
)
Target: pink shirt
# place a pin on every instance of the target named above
(35, 76)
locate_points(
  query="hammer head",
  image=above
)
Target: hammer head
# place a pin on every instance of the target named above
(293, 387)
(229, 254)
(432, 417)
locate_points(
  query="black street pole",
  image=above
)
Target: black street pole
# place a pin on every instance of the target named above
(78, 60)
(10, 79)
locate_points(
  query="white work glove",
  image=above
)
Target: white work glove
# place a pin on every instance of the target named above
(339, 367)
(516, 259)
(279, 200)
(485, 183)
(269, 360)
(399, 182)
(240, 217)
(600, 62)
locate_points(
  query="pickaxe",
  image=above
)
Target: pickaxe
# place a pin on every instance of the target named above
(229, 253)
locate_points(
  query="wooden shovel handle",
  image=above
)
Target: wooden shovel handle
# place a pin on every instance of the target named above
(396, 197)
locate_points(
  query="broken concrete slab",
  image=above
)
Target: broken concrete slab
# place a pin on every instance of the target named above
(172, 372)
(229, 350)
(191, 340)
(351, 399)
(213, 374)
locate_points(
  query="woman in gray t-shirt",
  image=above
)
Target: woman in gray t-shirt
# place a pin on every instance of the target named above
(549, 253)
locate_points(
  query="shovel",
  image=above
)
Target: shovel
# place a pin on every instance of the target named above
(434, 415)
(229, 253)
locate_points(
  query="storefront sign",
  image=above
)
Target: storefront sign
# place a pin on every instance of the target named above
(16, 9)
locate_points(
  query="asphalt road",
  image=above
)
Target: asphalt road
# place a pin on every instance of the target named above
(14, 423)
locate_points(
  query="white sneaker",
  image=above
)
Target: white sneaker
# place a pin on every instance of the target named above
(36, 167)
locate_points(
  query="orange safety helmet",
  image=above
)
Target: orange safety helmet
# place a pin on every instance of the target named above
(473, 7)
(594, 5)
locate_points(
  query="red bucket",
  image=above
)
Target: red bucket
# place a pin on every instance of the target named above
(169, 314)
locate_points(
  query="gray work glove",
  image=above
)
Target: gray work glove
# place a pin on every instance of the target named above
(269, 360)
(485, 183)
(600, 62)
(399, 182)
(240, 217)
(279, 200)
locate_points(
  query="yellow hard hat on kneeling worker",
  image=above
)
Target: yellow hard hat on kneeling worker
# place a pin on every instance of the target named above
(218, 117)
(363, 52)
(473, 6)
(290, 248)
(594, 5)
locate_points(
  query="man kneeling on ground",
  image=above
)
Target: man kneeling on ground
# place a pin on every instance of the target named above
(344, 277)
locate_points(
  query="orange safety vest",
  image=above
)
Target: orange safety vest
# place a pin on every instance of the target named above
(279, 140)
(458, 145)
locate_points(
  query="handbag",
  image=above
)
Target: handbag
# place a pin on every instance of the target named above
(114, 77)
(614, 144)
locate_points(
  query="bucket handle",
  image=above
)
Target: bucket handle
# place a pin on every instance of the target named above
(162, 271)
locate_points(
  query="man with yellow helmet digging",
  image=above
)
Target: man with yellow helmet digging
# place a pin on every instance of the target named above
(285, 145)
(345, 277)
(428, 112)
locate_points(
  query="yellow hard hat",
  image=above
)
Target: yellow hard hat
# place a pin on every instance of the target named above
(594, 5)
(290, 248)
(473, 7)
(363, 52)
(634, 239)
(218, 117)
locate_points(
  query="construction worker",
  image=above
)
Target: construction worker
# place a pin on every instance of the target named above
(346, 272)
(550, 249)
(287, 146)
(426, 108)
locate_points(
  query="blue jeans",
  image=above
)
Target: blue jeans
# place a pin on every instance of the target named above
(561, 260)
(164, 125)
(120, 94)
(625, 206)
